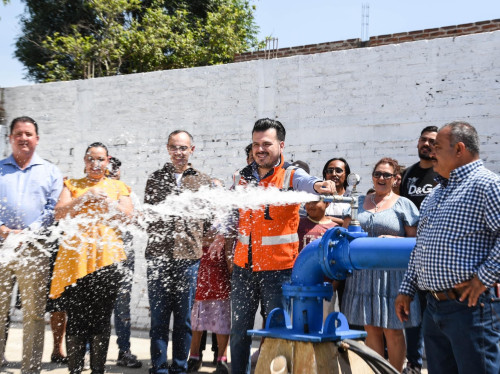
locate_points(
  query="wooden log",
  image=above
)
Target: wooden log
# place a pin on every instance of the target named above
(310, 358)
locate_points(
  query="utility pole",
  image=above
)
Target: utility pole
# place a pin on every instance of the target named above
(365, 21)
(271, 50)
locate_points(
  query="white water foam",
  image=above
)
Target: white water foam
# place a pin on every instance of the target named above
(210, 202)
(206, 203)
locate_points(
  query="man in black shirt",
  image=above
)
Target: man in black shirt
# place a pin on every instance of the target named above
(418, 180)
(416, 183)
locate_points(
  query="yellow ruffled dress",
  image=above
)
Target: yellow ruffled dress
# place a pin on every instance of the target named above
(95, 244)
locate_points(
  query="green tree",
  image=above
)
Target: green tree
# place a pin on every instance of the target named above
(105, 38)
(43, 19)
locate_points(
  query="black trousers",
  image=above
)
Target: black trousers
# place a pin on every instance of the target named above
(90, 302)
(89, 305)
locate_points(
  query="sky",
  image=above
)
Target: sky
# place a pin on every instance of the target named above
(295, 22)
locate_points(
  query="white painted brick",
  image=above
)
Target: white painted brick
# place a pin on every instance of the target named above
(361, 104)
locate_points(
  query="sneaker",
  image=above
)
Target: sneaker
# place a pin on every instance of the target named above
(221, 368)
(255, 357)
(411, 369)
(194, 365)
(86, 361)
(128, 360)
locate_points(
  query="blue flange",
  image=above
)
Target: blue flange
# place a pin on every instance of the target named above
(279, 326)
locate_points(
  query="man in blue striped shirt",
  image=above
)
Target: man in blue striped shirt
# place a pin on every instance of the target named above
(29, 190)
(457, 259)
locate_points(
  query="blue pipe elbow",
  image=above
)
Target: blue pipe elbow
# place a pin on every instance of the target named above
(340, 251)
(335, 255)
(307, 270)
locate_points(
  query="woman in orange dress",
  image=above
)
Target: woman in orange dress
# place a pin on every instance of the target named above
(87, 270)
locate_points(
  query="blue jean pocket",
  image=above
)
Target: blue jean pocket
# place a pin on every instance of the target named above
(494, 305)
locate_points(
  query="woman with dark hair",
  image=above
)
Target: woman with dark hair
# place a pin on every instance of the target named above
(370, 294)
(337, 169)
(86, 272)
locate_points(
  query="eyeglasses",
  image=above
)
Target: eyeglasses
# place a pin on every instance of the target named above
(174, 148)
(336, 170)
(424, 139)
(378, 174)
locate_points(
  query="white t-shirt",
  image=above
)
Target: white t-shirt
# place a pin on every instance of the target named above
(178, 177)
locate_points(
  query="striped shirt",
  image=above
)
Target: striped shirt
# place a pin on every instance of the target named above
(458, 233)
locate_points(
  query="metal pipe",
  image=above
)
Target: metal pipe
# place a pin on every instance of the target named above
(338, 199)
(346, 250)
(307, 270)
(380, 253)
(335, 255)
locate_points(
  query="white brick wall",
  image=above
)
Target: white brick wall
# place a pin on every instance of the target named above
(361, 104)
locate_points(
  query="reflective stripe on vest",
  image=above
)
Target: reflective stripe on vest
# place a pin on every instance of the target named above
(271, 240)
(280, 239)
(236, 178)
(244, 239)
(287, 182)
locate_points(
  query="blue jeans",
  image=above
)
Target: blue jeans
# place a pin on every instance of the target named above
(247, 290)
(122, 304)
(414, 336)
(459, 339)
(171, 290)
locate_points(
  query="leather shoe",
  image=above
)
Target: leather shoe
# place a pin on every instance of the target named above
(58, 359)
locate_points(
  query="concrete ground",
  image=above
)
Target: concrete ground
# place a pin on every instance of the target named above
(139, 342)
(140, 347)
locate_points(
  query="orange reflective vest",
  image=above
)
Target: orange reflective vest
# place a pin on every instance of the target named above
(270, 233)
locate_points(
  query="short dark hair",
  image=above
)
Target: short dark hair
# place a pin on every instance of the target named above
(302, 164)
(347, 169)
(464, 132)
(392, 162)
(96, 145)
(23, 119)
(248, 149)
(265, 124)
(115, 164)
(176, 132)
(429, 129)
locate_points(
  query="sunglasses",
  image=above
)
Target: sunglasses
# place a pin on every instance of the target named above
(378, 174)
(336, 170)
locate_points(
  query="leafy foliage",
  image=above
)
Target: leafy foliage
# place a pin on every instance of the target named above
(65, 40)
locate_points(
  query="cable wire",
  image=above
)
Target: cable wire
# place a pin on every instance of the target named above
(376, 362)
